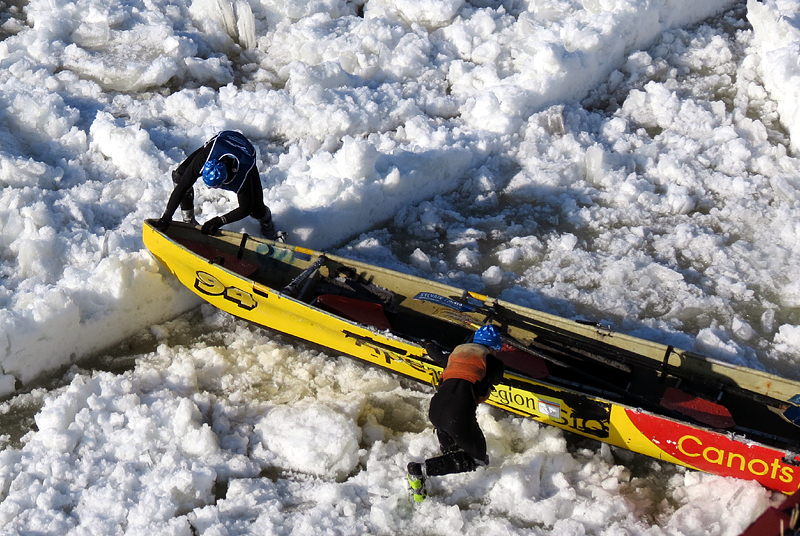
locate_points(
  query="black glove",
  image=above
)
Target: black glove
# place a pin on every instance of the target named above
(212, 225)
(495, 369)
(162, 224)
(435, 352)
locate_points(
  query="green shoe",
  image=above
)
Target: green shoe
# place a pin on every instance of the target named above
(416, 481)
(417, 485)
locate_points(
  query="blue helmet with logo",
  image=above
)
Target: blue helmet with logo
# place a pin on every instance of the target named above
(214, 173)
(488, 336)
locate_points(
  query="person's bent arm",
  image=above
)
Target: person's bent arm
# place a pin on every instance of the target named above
(245, 207)
(189, 171)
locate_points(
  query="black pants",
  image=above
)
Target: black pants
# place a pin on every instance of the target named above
(187, 201)
(452, 412)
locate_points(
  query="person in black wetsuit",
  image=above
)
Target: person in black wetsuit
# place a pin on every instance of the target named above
(467, 380)
(227, 161)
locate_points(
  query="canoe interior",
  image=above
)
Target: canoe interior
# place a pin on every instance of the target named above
(566, 354)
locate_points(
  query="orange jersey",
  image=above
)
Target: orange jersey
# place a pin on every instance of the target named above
(467, 362)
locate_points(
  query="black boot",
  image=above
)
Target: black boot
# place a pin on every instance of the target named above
(188, 216)
(453, 462)
(268, 227)
(187, 202)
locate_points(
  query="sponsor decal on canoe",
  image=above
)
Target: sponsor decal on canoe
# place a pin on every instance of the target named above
(392, 357)
(285, 255)
(567, 410)
(719, 454)
(445, 301)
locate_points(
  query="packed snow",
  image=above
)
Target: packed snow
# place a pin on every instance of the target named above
(625, 161)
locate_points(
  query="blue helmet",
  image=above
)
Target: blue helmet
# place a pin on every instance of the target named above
(214, 173)
(488, 336)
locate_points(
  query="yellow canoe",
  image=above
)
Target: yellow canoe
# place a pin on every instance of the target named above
(640, 395)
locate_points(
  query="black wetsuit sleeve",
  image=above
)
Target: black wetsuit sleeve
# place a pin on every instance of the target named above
(495, 369)
(188, 173)
(245, 196)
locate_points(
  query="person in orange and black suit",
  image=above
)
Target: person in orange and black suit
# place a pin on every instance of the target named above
(467, 380)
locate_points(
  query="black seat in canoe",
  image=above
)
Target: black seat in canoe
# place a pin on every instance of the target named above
(234, 263)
